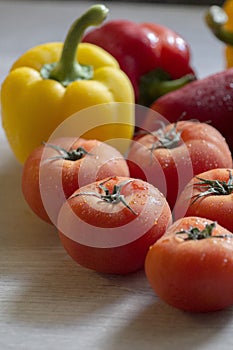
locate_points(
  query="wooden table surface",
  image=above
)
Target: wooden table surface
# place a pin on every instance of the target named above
(46, 300)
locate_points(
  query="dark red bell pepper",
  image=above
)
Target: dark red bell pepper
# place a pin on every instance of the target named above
(155, 58)
(208, 99)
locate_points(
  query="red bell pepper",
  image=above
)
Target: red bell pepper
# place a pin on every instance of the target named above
(155, 58)
(208, 99)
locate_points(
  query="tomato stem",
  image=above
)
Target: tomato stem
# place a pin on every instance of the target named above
(72, 155)
(113, 197)
(195, 234)
(169, 139)
(213, 187)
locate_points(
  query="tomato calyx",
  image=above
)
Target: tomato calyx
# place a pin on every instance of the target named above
(195, 234)
(166, 139)
(213, 187)
(72, 155)
(113, 197)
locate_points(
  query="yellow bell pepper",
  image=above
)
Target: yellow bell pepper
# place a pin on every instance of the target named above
(51, 82)
(228, 8)
(220, 21)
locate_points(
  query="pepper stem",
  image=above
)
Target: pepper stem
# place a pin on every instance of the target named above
(67, 69)
(157, 83)
(216, 19)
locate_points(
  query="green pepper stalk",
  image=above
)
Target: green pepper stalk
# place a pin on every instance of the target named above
(68, 69)
(216, 19)
(157, 83)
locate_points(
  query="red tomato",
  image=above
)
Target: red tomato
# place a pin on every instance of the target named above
(54, 171)
(191, 266)
(209, 195)
(169, 157)
(109, 225)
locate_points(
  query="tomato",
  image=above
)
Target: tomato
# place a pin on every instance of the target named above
(170, 156)
(209, 195)
(206, 99)
(191, 266)
(109, 225)
(54, 171)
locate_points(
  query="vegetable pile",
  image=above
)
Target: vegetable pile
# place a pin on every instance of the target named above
(164, 200)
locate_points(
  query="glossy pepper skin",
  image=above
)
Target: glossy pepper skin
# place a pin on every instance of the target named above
(228, 8)
(208, 100)
(220, 21)
(152, 56)
(50, 82)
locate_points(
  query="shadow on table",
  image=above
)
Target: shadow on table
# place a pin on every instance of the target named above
(159, 326)
(58, 292)
(55, 292)
(20, 227)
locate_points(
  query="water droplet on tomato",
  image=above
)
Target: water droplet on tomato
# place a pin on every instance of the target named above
(227, 97)
(225, 262)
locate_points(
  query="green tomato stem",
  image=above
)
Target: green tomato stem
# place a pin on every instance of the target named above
(113, 197)
(72, 155)
(166, 139)
(213, 187)
(194, 234)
